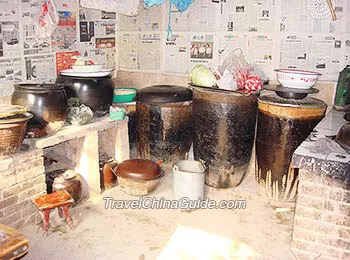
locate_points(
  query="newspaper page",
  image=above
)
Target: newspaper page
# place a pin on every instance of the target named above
(87, 14)
(175, 58)
(105, 34)
(327, 56)
(66, 5)
(227, 42)
(65, 35)
(203, 16)
(128, 50)
(32, 44)
(149, 51)
(11, 44)
(294, 51)
(105, 57)
(150, 19)
(87, 34)
(262, 16)
(10, 9)
(201, 50)
(40, 68)
(11, 71)
(64, 60)
(226, 15)
(128, 23)
(261, 53)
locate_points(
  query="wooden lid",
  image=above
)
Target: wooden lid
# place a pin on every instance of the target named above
(138, 169)
(292, 108)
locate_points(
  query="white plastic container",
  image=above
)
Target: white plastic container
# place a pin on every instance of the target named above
(188, 179)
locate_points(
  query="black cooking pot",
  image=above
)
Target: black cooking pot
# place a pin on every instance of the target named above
(46, 101)
(94, 92)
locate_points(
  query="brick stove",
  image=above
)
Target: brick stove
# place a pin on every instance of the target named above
(322, 215)
(22, 175)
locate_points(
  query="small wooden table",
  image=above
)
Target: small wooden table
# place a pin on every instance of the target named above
(59, 199)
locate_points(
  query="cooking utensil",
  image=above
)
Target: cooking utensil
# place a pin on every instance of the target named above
(87, 68)
(46, 101)
(331, 9)
(291, 93)
(73, 73)
(320, 9)
(94, 92)
(293, 78)
(138, 177)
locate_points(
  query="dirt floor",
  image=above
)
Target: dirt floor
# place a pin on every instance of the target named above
(141, 234)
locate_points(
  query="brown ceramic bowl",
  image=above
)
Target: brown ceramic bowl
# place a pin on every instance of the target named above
(138, 177)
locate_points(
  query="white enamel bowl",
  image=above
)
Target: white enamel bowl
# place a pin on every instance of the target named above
(293, 78)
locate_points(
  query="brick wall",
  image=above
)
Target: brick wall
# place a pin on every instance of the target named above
(322, 218)
(22, 177)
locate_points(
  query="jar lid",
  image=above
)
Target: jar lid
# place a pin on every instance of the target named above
(307, 102)
(38, 86)
(164, 94)
(138, 169)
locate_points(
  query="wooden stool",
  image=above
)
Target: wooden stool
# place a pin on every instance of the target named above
(61, 200)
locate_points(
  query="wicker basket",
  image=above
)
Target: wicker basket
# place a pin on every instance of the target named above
(12, 132)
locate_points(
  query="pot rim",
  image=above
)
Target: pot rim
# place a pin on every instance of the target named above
(44, 87)
(162, 173)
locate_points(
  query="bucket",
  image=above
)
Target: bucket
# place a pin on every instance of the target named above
(188, 179)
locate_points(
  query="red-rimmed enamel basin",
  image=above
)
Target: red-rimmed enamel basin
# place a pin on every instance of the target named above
(294, 78)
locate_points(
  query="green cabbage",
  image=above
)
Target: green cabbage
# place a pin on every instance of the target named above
(202, 76)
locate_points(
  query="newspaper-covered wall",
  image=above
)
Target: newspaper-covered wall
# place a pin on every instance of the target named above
(272, 34)
(24, 57)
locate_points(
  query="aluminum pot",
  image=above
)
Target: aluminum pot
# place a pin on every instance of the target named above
(138, 177)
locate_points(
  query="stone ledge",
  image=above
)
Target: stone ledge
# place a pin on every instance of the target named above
(70, 132)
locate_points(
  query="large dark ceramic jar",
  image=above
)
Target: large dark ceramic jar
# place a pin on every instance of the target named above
(283, 124)
(46, 101)
(224, 130)
(164, 123)
(94, 92)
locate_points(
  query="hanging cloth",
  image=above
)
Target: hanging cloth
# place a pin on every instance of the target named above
(181, 5)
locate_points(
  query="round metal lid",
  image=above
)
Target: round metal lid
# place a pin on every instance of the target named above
(290, 93)
(308, 102)
(38, 86)
(164, 94)
(138, 169)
